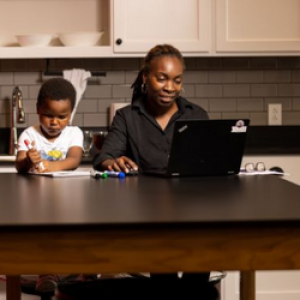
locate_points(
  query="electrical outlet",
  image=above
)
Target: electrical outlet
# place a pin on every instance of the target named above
(275, 114)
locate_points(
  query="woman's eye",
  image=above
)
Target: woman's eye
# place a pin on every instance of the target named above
(178, 80)
(161, 79)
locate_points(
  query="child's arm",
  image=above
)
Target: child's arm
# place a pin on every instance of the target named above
(71, 161)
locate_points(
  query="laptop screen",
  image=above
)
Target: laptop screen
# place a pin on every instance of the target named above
(207, 147)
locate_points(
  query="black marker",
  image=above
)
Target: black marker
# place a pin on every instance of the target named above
(98, 175)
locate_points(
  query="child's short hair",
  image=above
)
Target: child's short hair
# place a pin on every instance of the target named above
(57, 89)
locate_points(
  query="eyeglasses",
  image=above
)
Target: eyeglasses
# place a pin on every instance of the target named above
(259, 167)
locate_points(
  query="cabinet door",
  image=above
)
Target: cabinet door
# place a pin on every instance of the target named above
(141, 24)
(258, 26)
(20, 17)
(270, 285)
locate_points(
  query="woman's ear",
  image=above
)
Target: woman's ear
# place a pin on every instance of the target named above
(144, 85)
(144, 78)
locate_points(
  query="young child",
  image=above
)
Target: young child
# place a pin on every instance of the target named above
(53, 145)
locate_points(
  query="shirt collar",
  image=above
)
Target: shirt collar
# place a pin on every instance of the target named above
(139, 104)
(183, 104)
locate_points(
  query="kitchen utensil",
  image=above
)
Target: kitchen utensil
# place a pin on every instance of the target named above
(87, 142)
(80, 38)
(34, 40)
(98, 139)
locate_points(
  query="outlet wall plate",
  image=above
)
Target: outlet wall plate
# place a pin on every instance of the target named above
(275, 114)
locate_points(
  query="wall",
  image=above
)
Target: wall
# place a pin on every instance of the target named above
(270, 285)
(226, 87)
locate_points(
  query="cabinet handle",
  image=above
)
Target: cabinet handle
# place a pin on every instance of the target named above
(119, 41)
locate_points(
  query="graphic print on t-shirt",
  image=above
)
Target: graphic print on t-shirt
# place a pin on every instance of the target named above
(53, 155)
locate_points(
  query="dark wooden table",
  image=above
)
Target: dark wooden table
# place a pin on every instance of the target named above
(147, 224)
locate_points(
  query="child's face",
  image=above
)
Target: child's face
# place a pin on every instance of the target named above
(54, 116)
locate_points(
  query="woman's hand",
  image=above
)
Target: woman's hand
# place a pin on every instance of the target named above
(120, 164)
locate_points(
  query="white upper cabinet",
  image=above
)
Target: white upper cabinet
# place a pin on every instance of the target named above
(132, 27)
(258, 26)
(140, 25)
(25, 17)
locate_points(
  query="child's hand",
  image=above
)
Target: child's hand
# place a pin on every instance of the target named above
(33, 156)
(46, 167)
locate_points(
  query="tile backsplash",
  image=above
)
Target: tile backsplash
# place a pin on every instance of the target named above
(238, 87)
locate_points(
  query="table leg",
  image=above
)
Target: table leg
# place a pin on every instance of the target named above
(13, 288)
(247, 285)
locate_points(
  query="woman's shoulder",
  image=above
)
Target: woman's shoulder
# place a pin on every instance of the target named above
(125, 110)
(125, 107)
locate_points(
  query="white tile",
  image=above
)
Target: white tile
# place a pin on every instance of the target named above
(26, 78)
(7, 78)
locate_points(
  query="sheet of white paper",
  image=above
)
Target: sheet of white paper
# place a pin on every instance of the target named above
(63, 174)
(267, 172)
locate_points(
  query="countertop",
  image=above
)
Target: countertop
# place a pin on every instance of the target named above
(273, 140)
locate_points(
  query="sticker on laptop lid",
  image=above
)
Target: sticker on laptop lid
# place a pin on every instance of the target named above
(239, 127)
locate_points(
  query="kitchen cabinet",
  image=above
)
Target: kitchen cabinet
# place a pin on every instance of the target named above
(139, 25)
(132, 27)
(275, 285)
(20, 17)
(259, 27)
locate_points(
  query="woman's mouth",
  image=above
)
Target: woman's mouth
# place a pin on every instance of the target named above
(166, 99)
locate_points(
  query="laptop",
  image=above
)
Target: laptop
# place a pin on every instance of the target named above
(207, 147)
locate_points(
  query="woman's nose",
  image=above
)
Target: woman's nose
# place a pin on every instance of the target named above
(170, 86)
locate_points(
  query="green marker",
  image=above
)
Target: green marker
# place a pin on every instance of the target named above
(98, 174)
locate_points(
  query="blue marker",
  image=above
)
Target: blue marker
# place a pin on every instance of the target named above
(115, 174)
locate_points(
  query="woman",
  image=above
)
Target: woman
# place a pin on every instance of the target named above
(141, 134)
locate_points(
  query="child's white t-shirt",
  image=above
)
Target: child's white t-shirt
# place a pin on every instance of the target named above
(52, 151)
